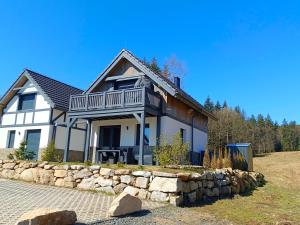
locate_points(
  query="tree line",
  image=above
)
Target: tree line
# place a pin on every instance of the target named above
(264, 134)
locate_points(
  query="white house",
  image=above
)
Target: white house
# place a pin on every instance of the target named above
(34, 109)
(119, 117)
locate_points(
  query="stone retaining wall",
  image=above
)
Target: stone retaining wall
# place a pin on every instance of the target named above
(177, 189)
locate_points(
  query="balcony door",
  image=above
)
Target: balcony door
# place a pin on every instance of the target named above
(110, 137)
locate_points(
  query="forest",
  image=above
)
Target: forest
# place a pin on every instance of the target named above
(264, 134)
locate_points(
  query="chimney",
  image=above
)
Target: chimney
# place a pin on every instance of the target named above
(177, 82)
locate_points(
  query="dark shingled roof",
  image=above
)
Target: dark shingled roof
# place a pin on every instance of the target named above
(58, 92)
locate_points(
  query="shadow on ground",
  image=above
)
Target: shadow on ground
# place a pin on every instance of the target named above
(105, 221)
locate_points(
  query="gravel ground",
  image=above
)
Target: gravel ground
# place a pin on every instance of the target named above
(166, 216)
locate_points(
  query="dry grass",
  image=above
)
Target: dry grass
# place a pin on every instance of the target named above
(276, 202)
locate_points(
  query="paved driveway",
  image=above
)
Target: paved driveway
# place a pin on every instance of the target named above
(18, 197)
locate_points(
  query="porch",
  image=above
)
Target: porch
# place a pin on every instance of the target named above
(121, 125)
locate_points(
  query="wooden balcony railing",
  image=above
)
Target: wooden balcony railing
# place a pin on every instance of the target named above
(114, 99)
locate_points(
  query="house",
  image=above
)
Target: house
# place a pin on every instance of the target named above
(34, 109)
(120, 116)
(128, 107)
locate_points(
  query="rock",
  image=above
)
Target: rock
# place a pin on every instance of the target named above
(69, 182)
(141, 182)
(30, 175)
(60, 182)
(46, 177)
(186, 188)
(210, 184)
(48, 167)
(95, 167)
(119, 188)
(33, 164)
(219, 174)
(77, 167)
(106, 172)
(163, 174)
(176, 200)
(164, 184)
(48, 216)
(141, 173)
(8, 173)
(184, 176)
(104, 182)
(209, 175)
(60, 173)
(131, 190)
(192, 197)
(143, 194)
(193, 185)
(107, 190)
(87, 184)
(84, 173)
(41, 165)
(122, 172)
(212, 192)
(196, 176)
(159, 196)
(226, 190)
(116, 178)
(9, 166)
(124, 204)
(127, 179)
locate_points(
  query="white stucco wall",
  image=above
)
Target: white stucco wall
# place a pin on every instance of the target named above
(170, 126)
(20, 135)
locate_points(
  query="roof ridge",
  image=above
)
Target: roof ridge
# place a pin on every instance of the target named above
(43, 75)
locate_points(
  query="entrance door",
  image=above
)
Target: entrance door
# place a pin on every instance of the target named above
(33, 141)
(110, 137)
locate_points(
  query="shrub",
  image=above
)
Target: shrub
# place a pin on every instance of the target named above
(220, 159)
(51, 154)
(175, 153)
(10, 156)
(213, 163)
(227, 163)
(120, 164)
(22, 153)
(87, 163)
(206, 158)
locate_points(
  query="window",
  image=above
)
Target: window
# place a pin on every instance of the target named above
(182, 135)
(126, 84)
(26, 102)
(146, 134)
(11, 138)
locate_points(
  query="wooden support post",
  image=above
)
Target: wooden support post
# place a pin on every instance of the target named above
(70, 123)
(142, 142)
(158, 126)
(87, 141)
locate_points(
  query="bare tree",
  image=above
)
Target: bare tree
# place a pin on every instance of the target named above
(174, 68)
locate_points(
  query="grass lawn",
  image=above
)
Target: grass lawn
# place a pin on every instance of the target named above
(277, 201)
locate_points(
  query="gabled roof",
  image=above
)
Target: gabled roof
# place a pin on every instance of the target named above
(56, 93)
(159, 79)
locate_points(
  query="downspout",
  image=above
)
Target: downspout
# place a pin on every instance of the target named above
(192, 139)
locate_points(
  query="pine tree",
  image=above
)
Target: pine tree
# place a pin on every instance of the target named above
(206, 158)
(209, 105)
(218, 106)
(225, 105)
(213, 163)
(227, 163)
(154, 66)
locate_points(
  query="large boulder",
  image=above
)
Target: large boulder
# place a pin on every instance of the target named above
(84, 173)
(164, 184)
(124, 204)
(30, 175)
(48, 216)
(60, 173)
(9, 165)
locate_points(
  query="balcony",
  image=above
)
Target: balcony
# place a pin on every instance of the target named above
(119, 99)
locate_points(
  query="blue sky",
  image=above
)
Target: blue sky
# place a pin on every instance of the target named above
(247, 53)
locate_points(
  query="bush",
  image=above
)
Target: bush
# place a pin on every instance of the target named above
(51, 154)
(175, 153)
(206, 158)
(10, 156)
(220, 159)
(227, 163)
(214, 162)
(22, 153)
